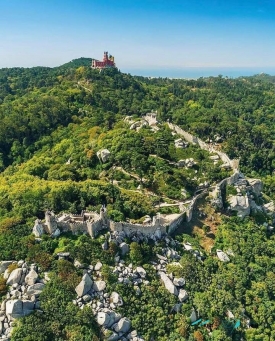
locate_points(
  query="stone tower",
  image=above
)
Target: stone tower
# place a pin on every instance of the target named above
(50, 221)
(103, 215)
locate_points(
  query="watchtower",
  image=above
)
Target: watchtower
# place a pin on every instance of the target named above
(50, 221)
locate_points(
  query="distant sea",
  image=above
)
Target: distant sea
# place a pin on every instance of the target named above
(197, 72)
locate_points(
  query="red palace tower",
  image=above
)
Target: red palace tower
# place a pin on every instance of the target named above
(108, 61)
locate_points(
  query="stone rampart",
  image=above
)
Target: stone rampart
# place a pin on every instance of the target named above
(234, 164)
(129, 228)
(95, 227)
(90, 227)
(227, 181)
(176, 223)
(190, 208)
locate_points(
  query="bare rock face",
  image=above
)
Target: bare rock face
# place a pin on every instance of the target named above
(222, 256)
(103, 319)
(15, 277)
(168, 283)
(124, 248)
(38, 229)
(98, 266)
(31, 277)
(123, 325)
(99, 286)
(179, 282)
(104, 155)
(116, 298)
(257, 185)
(141, 271)
(4, 265)
(84, 286)
(18, 308)
(183, 295)
(35, 289)
(240, 204)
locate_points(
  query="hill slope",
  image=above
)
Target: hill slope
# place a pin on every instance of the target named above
(73, 138)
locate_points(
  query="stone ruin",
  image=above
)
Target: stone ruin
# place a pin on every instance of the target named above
(86, 222)
(92, 223)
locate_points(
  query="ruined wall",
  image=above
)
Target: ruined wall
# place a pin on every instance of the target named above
(128, 228)
(190, 208)
(176, 223)
(76, 227)
(95, 227)
(92, 228)
(227, 181)
(205, 146)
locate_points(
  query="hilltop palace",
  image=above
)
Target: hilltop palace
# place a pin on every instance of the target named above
(107, 62)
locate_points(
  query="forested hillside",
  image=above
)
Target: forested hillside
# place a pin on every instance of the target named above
(55, 123)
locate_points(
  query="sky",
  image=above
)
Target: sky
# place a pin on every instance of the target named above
(141, 34)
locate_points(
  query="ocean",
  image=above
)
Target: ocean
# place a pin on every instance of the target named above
(197, 72)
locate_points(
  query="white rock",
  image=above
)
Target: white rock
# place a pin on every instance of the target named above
(31, 277)
(168, 283)
(99, 286)
(98, 266)
(141, 271)
(84, 286)
(193, 316)
(116, 298)
(114, 337)
(86, 298)
(77, 264)
(124, 248)
(20, 263)
(18, 308)
(157, 233)
(35, 289)
(38, 229)
(15, 277)
(103, 319)
(105, 245)
(183, 295)
(103, 155)
(123, 325)
(56, 233)
(222, 256)
(188, 246)
(4, 265)
(179, 282)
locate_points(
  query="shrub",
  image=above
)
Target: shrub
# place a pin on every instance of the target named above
(3, 286)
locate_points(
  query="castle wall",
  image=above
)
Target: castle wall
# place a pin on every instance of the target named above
(205, 146)
(227, 181)
(95, 227)
(128, 228)
(189, 211)
(176, 223)
(76, 227)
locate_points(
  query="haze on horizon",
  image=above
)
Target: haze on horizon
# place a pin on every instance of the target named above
(142, 34)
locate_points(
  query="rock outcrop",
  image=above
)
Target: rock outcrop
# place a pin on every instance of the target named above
(84, 286)
(168, 284)
(103, 155)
